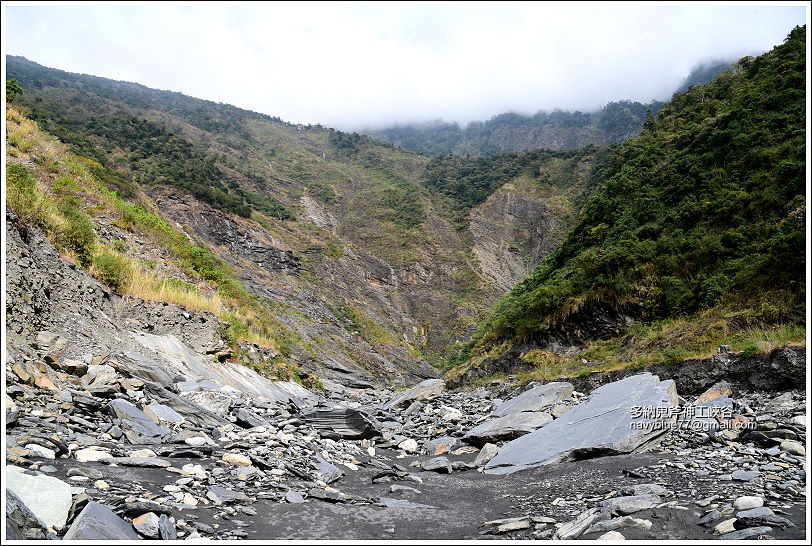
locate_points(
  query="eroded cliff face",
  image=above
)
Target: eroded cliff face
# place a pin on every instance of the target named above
(513, 231)
(526, 219)
(352, 310)
(523, 139)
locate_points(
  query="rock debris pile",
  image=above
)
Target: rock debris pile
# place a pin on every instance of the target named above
(118, 447)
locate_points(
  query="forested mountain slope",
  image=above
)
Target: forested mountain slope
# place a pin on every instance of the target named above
(359, 258)
(701, 216)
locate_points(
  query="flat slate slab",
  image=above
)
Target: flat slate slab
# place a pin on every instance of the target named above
(607, 423)
(509, 427)
(98, 522)
(535, 399)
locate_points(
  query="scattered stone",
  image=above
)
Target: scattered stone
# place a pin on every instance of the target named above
(237, 459)
(222, 495)
(727, 526)
(629, 505)
(138, 427)
(645, 489)
(487, 453)
(505, 525)
(147, 525)
(294, 497)
(744, 534)
(91, 454)
(748, 502)
(39, 451)
(576, 527)
(166, 528)
(248, 419)
(760, 516)
(408, 445)
(437, 464)
(163, 414)
(508, 427)
(618, 523)
(744, 475)
(395, 488)
(144, 462)
(791, 447)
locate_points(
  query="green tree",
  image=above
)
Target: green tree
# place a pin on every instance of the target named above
(13, 89)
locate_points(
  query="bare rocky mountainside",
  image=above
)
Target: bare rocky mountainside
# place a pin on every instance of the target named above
(368, 271)
(223, 326)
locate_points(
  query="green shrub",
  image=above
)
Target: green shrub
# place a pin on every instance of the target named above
(112, 270)
(77, 234)
(120, 245)
(673, 356)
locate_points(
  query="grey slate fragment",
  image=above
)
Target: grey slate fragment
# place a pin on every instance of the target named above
(743, 534)
(166, 528)
(321, 494)
(222, 495)
(604, 424)
(328, 471)
(98, 522)
(161, 412)
(760, 516)
(387, 502)
(535, 399)
(138, 427)
(193, 413)
(248, 419)
(425, 390)
(624, 506)
(576, 527)
(294, 497)
(744, 475)
(144, 462)
(437, 464)
(142, 367)
(645, 489)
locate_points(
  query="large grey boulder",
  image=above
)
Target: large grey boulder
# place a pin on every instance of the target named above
(48, 498)
(138, 427)
(161, 413)
(535, 399)
(193, 413)
(346, 423)
(509, 427)
(425, 390)
(98, 522)
(609, 422)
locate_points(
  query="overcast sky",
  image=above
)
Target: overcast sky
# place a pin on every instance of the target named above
(354, 65)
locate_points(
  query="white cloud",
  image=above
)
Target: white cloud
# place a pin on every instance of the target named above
(349, 65)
